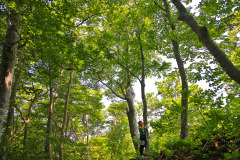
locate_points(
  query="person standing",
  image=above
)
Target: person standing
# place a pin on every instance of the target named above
(143, 130)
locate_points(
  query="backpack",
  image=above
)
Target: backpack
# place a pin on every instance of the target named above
(143, 137)
(143, 133)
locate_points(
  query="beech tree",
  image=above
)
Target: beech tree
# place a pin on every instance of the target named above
(184, 101)
(204, 37)
(65, 115)
(110, 46)
(6, 140)
(9, 51)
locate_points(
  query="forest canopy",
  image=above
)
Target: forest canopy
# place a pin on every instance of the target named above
(61, 60)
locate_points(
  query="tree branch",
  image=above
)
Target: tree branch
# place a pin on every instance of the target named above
(159, 6)
(21, 114)
(111, 88)
(204, 37)
(119, 63)
(84, 20)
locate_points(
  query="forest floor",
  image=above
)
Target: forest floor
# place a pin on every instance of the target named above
(219, 148)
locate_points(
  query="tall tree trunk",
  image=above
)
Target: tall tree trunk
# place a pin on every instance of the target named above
(131, 113)
(88, 148)
(142, 82)
(55, 97)
(53, 101)
(25, 140)
(130, 109)
(25, 134)
(204, 37)
(65, 116)
(8, 60)
(49, 123)
(67, 125)
(184, 101)
(9, 124)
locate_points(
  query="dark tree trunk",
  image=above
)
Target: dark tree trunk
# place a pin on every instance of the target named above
(9, 52)
(88, 148)
(61, 157)
(142, 82)
(49, 123)
(204, 37)
(53, 101)
(184, 101)
(25, 134)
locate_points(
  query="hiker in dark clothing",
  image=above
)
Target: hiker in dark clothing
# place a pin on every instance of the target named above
(143, 130)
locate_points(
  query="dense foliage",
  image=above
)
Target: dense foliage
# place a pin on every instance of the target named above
(96, 50)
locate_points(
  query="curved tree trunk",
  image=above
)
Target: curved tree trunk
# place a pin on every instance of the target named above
(8, 60)
(184, 101)
(204, 37)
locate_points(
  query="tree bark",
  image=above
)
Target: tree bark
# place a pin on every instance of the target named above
(49, 123)
(131, 113)
(27, 121)
(65, 116)
(142, 82)
(8, 60)
(87, 130)
(204, 37)
(184, 101)
(53, 101)
(6, 140)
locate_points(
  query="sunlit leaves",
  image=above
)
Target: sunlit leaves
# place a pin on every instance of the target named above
(99, 41)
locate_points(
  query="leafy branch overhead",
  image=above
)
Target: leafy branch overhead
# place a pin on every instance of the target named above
(77, 75)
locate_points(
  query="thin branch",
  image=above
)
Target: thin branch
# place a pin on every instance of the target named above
(119, 63)
(111, 88)
(31, 106)
(16, 42)
(159, 6)
(5, 43)
(21, 114)
(21, 46)
(123, 92)
(142, 58)
(83, 21)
